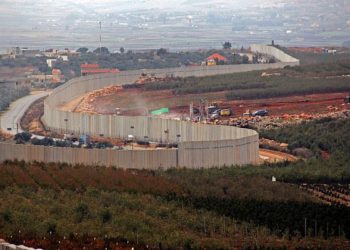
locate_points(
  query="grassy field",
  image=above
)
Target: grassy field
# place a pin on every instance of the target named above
(314, 58)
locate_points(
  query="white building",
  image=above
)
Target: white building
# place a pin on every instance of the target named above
(51, 62)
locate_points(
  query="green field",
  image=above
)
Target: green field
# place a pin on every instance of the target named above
(300, 80)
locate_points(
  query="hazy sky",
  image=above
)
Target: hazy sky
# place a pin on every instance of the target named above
(104, 5)
(172, 23)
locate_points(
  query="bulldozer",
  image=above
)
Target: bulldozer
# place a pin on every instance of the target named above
(226, 112)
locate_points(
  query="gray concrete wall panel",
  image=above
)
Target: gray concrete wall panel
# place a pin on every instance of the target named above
(135, 159)
(278, 54)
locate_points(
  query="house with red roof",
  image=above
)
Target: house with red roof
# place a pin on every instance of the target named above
(57, 76)
(215, 59)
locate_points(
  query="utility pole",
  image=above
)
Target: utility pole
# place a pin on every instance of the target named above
(305, 227)
(191, 111)
(100, 37)
(207, 108)
(167, 136)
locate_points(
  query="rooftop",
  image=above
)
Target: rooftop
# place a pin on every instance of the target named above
(217, 56)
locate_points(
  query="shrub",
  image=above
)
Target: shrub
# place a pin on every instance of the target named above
(106, 216)
(81, 212)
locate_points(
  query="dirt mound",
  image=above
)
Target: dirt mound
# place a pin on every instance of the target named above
(87, 103)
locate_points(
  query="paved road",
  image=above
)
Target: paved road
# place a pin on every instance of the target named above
(12, 117)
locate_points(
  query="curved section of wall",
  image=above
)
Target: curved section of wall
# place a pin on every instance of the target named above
(200, 145)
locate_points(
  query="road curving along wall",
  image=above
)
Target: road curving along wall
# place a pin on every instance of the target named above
(200, 145)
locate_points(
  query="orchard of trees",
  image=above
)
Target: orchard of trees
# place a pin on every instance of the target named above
(147, 207)
(252, 85)
(236, 204)
(9, 93)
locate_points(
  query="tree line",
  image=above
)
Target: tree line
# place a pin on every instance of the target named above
(10, 92)
(307, 79)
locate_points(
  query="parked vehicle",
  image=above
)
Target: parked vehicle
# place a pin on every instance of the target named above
(143, 143)
(213, 108)
(214, 116)
(22, 137)
(70, 137)
(195, 111)
(217, 111)
(260, 113)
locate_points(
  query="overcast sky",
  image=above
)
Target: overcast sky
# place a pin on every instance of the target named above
(103, 5)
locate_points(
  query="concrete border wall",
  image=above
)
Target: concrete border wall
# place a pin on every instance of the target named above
(189, 154)
(273, 51)
(113, 126)
(200, 145)
(135, 159)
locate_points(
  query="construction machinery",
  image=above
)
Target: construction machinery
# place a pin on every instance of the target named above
(247, 113)
(226, 112)
(209, 111)
(347, 99)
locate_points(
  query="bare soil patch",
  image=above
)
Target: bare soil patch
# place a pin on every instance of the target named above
(112, 100)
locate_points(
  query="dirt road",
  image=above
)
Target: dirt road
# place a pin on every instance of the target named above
(275, 156)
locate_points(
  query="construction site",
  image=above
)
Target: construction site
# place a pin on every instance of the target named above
(144, 138)
(201, 124)
(120, 113)
(176, 132)
(134, 115)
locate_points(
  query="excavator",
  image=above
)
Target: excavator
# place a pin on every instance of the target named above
(347, 99)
